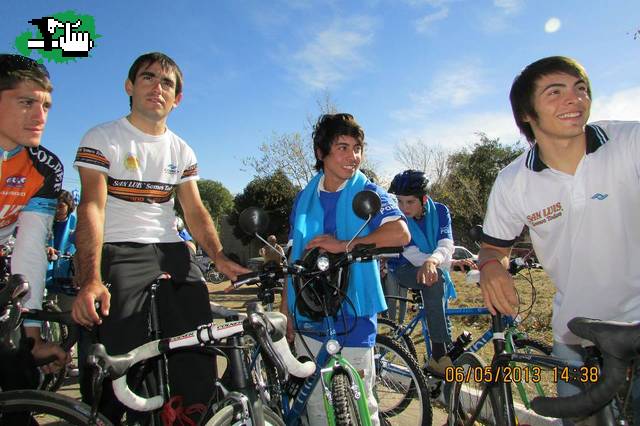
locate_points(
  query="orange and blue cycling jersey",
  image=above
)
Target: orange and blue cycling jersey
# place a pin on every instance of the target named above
(30, 181)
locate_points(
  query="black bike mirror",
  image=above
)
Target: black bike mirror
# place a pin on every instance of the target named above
(475, 233)
(366, 204)
(253, 221)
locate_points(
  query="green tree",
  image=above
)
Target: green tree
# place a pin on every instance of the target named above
(216, 199)
(275, 194)
(470, 175)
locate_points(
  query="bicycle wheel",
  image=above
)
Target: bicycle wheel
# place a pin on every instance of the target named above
(388, 327)
(53, 332)
(400, 388)
(45, 407)
(468, 399)
(213, 276)
(225, 417)
(345, 407)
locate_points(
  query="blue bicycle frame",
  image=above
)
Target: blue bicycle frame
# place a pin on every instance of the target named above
(421, 318)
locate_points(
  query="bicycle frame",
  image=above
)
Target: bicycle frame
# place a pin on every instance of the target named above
(421, 318)
(507, 417)
(331, 362)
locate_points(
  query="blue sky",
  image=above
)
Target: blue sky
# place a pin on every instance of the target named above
(431, 70)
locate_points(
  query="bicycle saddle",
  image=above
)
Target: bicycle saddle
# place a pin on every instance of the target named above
(619, 339)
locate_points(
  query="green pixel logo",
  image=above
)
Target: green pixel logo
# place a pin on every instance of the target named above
(61, 37)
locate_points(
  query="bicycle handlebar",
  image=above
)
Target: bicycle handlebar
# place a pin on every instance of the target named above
(260, 325)
(360, 253)
(619, 344)
(60, 318)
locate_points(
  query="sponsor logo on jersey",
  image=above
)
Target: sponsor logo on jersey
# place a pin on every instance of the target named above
(131, 162)
(598, 196)
(16, 181)
(171, 169)
(545, 215)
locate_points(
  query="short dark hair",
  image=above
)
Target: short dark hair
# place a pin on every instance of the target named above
(14, 69)
(148, 59)
(67, 198)
(328, 128)
(524, 86)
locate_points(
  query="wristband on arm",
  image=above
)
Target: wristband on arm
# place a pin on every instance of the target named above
(483, 264)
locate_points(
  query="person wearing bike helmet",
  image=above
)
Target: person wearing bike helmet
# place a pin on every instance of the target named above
(323, 218)
(430, 249)
(576, 189)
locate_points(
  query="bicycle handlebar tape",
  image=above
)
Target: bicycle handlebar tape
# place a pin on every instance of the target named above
(256, 324)
(591, 399)
(296, 368)
(133, 401)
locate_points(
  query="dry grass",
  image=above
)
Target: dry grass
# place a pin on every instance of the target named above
(535, 311)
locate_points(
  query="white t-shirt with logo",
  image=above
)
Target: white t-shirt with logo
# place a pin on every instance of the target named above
(585, 228)
(143, 172)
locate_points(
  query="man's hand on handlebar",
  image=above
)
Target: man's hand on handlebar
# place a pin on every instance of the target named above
(42, 350)
(84, 309)
(498, 290)
(229, 267)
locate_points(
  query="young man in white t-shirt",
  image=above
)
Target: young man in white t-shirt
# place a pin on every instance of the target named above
(126, 234)
(576, 189)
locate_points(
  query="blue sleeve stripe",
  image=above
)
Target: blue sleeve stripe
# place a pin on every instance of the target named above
(41, 205)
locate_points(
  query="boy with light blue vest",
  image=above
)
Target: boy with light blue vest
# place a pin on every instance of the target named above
(430, 249)
(323, 217)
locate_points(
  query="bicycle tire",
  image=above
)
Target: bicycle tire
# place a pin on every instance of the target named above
(388, 327)
(345, 408)
(213, 276)
(466, 404)
(53, 332)
(400, 387)
(42, 403)
(225, 417)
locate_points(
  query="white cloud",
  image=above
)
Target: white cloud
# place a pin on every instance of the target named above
(432, 3)
(424, 24)
(498, 19)
(509, 6)
(334, 53)
(454, 133)
(455, 86)
(552, 25)
(621, 105)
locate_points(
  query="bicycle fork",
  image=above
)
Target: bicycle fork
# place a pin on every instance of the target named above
(338, 364)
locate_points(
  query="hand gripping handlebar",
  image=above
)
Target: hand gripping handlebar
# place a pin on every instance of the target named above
(264, 327)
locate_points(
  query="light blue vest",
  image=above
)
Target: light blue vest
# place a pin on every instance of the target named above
(365, 289)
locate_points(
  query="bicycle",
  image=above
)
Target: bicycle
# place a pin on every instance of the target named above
(343, 389)
(516, 339)
(209, 271)
(24, 406)
(604, 371)
(239, 403)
